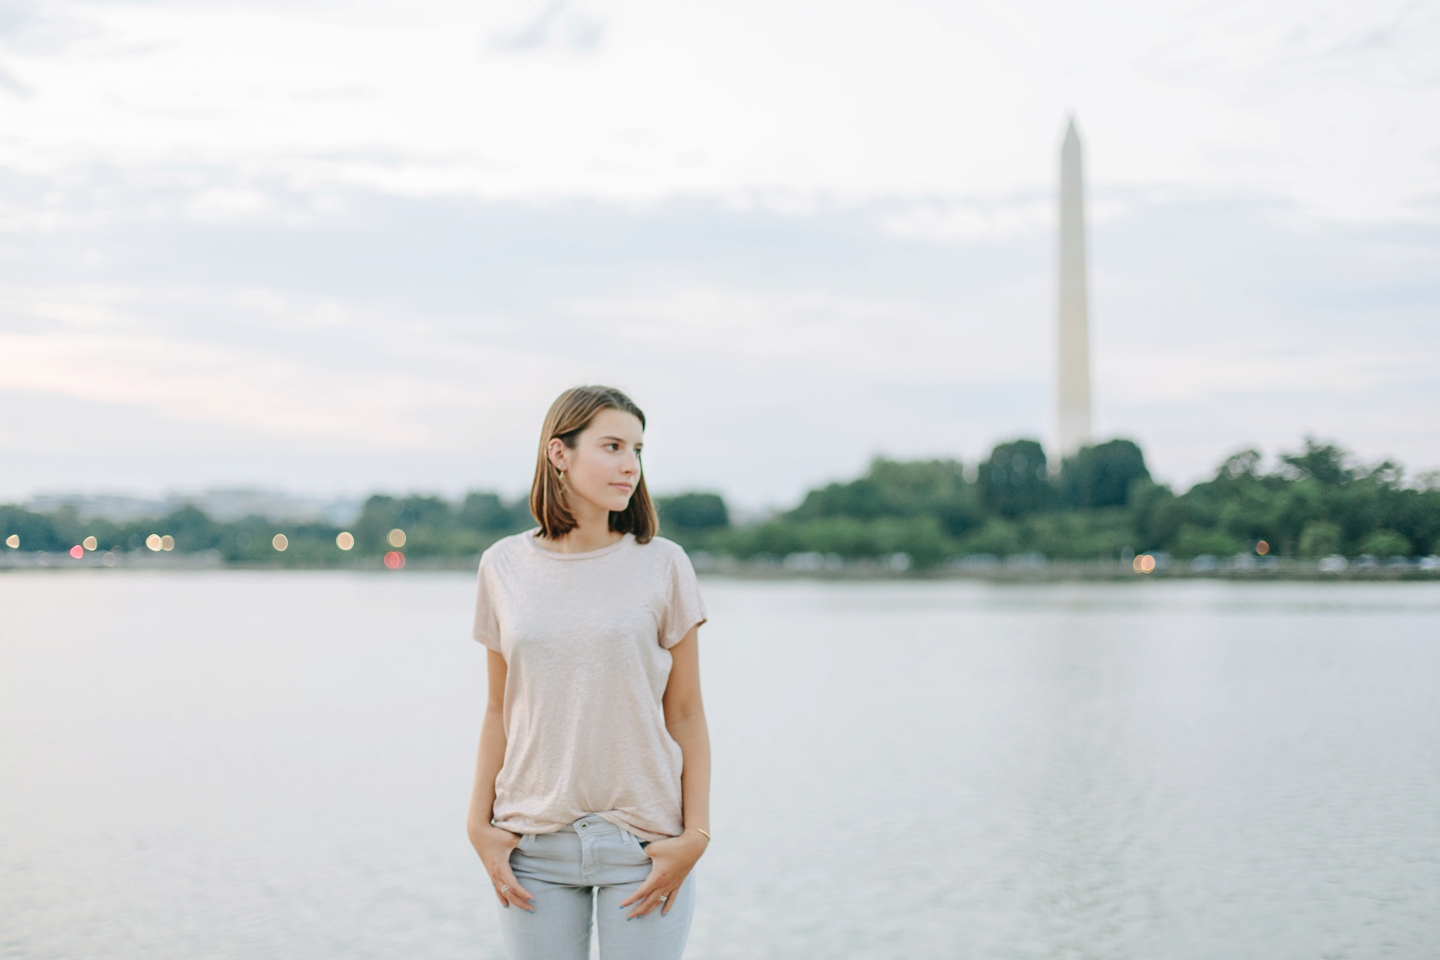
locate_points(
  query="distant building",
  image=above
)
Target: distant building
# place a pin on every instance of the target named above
(115, 508)
(1072, 382)
(236, 504)
(222, 505)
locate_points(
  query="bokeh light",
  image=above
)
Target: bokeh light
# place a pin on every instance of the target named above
(90, 543)
(396, 538)
(13, 541)
(167, 542)
(280, 541)
(1144, 563)
(108, 559)
(1261, 547)
(77, 551)
(153, 542)
(394, 560)
(345, 540)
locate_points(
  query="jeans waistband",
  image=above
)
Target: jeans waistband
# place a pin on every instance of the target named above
(590, 823)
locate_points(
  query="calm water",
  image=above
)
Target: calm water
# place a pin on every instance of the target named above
(277, 765)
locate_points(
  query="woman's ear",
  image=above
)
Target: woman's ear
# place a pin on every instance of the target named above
(559, 456)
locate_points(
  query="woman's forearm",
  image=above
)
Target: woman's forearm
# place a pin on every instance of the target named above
(491, 755)
(693, 736)
(488, 761)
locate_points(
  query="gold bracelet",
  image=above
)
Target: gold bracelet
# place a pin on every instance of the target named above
(703, 834)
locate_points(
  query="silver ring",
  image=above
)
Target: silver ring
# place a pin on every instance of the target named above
(664, 897)
(504, 888)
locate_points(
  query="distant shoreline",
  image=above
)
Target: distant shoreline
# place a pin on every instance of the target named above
(1016, 570)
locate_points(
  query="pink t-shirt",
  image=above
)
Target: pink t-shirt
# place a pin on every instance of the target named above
(586, 639)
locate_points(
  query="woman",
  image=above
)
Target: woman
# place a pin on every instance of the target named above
(594, 765)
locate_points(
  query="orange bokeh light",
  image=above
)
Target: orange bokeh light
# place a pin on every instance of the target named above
(1261, 547)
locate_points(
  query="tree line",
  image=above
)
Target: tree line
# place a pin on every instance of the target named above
(1101, 503)
(1313, 502)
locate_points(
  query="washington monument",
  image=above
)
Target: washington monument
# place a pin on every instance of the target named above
(1072, 393)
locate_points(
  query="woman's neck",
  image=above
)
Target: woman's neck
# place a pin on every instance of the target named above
(592, 531)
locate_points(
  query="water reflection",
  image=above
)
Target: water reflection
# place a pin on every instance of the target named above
(903, 770)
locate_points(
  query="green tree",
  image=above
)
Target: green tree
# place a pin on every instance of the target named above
(1077, 534)
(892, 488)
(1191, 541)
(35, 530)
(1324, 463)
(1320, 538)
(1156, 514)
(693, 512)
(192, 529)
(997, 536)
(487, 513)
(1385, 543)
(1102, 475)
(429, 525)
(1015, 480)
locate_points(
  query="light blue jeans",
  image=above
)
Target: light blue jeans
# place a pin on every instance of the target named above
(582, 870)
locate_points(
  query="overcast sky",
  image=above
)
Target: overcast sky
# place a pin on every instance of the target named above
(338, 247)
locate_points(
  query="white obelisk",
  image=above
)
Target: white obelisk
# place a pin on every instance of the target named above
(1072, 392)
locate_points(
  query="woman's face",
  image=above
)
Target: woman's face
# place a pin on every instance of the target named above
(604, 465)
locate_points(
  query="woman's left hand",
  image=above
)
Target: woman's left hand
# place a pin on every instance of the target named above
(672, 860)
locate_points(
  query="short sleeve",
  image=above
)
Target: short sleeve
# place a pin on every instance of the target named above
(487, 623)
(684, 608)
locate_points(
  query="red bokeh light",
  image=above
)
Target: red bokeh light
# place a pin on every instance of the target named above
(77, 551)
(394, 559)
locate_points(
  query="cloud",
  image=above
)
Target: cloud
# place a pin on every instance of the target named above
(869, 102)
(431, 333)
(268, 393)
(227, 220)
(557, 24)
(223, 205)
(817, 332)
(36, 28)
(11, 85)
(1256, 367)
(969, 220)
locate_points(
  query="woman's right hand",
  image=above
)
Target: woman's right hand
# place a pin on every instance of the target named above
(494, 846)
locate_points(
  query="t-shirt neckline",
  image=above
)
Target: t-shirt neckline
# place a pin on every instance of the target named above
(555, 555)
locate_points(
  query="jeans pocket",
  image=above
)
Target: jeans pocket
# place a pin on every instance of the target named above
(636, 844)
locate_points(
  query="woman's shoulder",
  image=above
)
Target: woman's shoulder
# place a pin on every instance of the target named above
(506, 547)
(667, 551)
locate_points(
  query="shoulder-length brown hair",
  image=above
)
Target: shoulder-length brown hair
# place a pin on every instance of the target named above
(569, 415)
